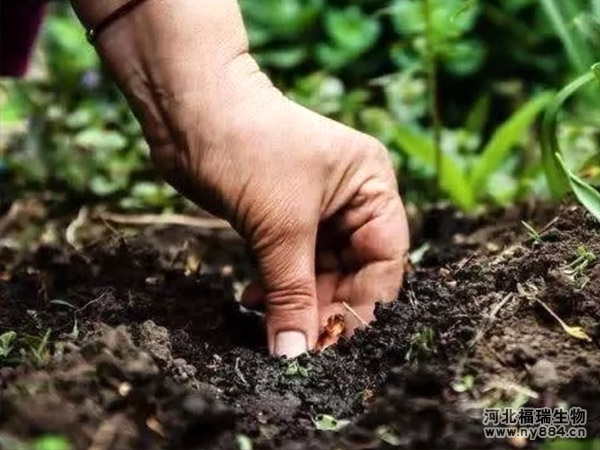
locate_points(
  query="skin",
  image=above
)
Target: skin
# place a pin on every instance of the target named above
(316, 200)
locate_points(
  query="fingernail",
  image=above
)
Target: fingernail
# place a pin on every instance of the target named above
(290, 344)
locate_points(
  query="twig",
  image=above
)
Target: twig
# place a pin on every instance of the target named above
(355, 314)
(170, 219)
(464, 264)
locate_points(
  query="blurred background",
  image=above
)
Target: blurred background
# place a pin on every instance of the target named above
(455, 89)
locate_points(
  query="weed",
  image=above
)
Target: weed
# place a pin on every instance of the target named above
(533, 233)
(421, 345)
(6, 344)
(41, 353)
(577, 270)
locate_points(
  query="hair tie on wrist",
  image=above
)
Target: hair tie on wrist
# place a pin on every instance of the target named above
(92, 33)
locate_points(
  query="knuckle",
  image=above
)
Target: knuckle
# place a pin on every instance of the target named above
(291, 299)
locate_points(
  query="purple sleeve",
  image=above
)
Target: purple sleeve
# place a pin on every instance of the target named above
(19, 24)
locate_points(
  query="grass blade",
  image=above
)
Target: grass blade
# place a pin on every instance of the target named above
(504, 139)
(586, 194)
(558, 180)
(452, 177)
(575, 46)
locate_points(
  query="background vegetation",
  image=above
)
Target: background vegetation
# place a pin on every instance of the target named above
(455, 89)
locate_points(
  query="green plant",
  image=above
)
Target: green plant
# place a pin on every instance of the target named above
(533, 233)
(560, 177)
(466, 185)
(7, 344)
(51, 442)
(421, 345)
(295, 369)
(39, 350)
(576, 270)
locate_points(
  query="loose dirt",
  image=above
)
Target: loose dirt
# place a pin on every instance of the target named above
(149, 349)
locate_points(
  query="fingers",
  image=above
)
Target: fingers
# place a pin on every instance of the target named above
(287, 268)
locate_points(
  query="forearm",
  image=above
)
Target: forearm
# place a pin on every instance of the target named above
(166, 31)
(165, 52)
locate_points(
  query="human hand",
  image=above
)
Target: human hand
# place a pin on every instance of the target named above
(317, 201)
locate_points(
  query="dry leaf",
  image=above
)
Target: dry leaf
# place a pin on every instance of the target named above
(577, 333)
(331, 333)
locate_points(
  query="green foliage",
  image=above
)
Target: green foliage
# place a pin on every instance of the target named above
(51, 442)
(466, 185)
(533, 233)
(295, 369)
(560, 177)
(367, 63)
(421, 345)
(6, 344)
(451, 22)
(572, 444)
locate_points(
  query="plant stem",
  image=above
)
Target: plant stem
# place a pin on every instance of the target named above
(432, 82)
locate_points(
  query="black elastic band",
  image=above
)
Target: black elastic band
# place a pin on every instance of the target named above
(92, 33)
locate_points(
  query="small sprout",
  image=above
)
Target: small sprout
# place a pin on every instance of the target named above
(295, 369)
(38, 348)
(576, 271)
(6, 343)
(332, 332)
(325, 422)
(52, 442)
(421, 345)
(465, 384)
(533, 233)
(243, 442)
(387, 435)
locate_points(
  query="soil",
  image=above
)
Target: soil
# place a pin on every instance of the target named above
(148, 348)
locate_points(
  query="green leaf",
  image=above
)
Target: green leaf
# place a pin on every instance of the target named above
(590, 27)
(6, 340)
(351, 29)
(504, 139)
(325, 422)
(452, 177)
(560, 15)
(52, 443)
(586, 194)
(557, 179)
(98, 139)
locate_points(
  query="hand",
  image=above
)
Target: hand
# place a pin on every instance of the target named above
(317, 201)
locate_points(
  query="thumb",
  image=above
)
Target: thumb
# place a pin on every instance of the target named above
(288, 271)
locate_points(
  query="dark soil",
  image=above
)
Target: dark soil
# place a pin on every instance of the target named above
(147, 352)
